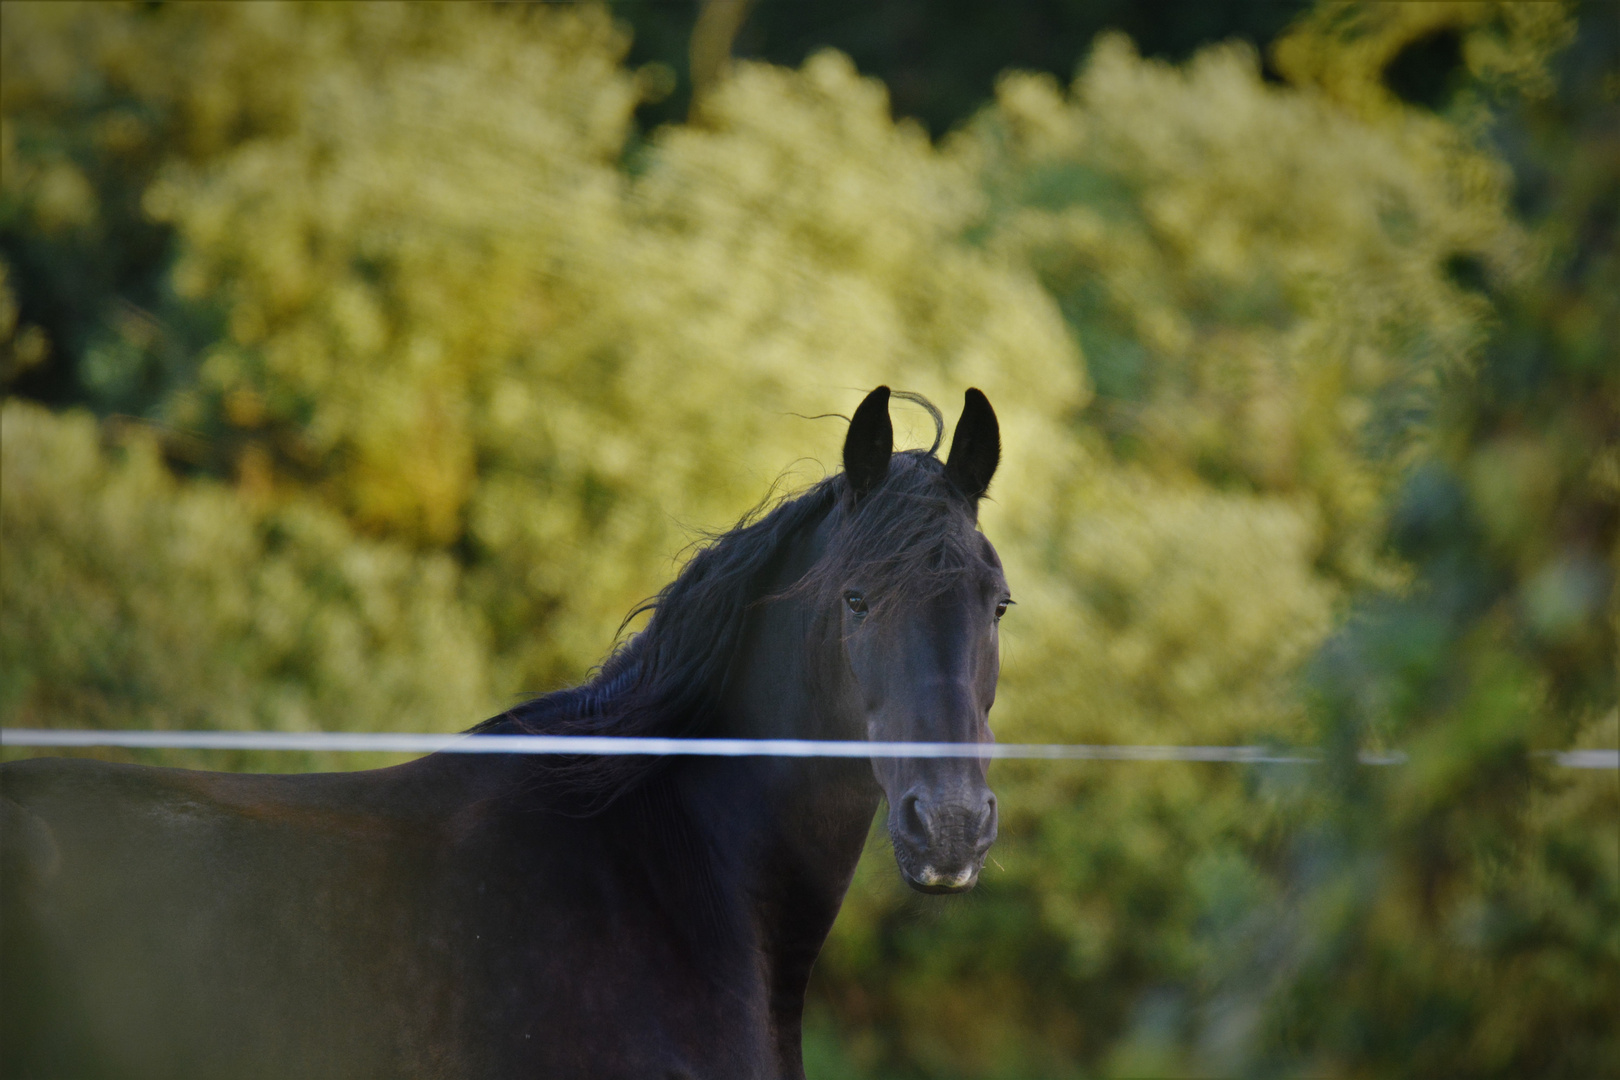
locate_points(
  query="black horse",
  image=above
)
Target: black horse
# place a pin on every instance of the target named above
(505, 916)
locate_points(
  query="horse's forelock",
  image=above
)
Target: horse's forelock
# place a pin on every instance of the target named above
(907, 541)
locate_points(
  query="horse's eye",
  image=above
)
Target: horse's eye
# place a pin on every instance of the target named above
(1001, 608)
(856, 602)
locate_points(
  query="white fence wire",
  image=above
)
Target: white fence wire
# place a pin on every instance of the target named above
(407, 743)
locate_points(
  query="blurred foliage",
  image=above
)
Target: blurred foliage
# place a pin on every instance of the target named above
(1462, 915)
(363, 366)
(135, 600)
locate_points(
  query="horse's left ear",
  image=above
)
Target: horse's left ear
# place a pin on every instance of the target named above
(976, 446)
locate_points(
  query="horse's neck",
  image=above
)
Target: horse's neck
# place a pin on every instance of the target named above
(783, 685)
(799, 824)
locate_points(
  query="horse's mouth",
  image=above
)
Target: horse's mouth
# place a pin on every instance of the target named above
(941, 849)
(929, 880)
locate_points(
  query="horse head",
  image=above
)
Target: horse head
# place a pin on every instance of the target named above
(918, 594)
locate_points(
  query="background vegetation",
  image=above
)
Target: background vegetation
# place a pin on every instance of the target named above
(363, 365)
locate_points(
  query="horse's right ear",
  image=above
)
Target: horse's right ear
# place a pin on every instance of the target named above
(976, 447)
(870, 443)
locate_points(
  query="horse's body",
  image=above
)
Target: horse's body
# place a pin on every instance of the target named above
(496, 916)
(414, 922)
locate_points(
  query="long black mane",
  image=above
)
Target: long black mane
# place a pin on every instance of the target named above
(907, 539)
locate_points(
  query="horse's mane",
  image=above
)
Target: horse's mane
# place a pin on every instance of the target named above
(905, 540)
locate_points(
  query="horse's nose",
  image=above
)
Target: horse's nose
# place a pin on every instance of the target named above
(950, 835)
(935, 822)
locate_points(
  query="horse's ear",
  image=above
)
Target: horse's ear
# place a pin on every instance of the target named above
(870, 443)
(975, 448)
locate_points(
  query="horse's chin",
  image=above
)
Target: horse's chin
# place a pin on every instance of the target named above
(926, 879)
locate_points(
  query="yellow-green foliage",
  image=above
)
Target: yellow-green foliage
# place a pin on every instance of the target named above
(1258, 272)
(448, 369)
(450, 317)
(134, 600)
(1257, 283)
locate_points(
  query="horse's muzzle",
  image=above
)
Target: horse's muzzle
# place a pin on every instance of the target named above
(940, 846)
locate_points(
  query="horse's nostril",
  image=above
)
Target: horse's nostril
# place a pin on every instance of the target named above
(911, 816)
(987, 824)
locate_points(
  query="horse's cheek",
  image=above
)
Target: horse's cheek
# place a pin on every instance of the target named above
(866, 668)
